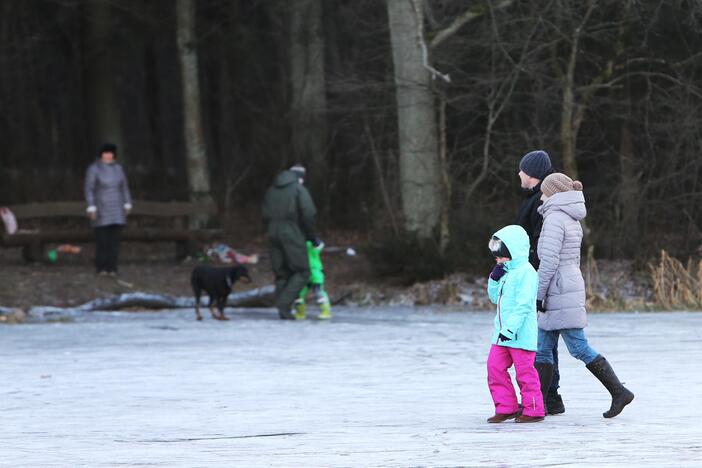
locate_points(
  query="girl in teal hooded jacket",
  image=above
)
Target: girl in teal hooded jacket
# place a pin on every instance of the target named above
(512, 287)
(515, 293)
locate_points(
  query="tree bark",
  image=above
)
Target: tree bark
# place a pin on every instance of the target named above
(420, 174)
(105, 116)
(630, 191)
(308, 105)
(572, 113)
(195, 150)
(445, 217)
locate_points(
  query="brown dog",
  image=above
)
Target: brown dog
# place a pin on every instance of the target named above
(217, 282)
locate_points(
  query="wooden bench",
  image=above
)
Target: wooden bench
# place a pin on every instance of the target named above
(173, 214)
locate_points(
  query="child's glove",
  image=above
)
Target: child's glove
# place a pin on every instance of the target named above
(497, 272)
(502, 337)
(540, 306)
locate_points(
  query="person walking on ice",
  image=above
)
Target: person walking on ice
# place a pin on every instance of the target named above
(512, 287)
(289, 214)
(316, 284)
(533, 169)
(561, 294)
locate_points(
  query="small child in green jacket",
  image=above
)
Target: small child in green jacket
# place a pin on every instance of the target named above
(316, 284)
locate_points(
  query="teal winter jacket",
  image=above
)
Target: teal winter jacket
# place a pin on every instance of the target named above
(515, 293)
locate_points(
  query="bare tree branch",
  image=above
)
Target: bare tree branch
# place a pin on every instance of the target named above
(465, 18)
(423, 44)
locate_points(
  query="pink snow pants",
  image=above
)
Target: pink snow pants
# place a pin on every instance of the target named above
(499, 360)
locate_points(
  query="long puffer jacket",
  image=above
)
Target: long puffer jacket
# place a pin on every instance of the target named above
(106, 189)
(515, 293)
(561, 284)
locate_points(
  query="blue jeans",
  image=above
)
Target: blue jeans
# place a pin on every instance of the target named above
(556, 380)
(575, 342)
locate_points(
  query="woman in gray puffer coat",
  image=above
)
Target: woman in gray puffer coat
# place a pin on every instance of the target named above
(561, 294)
(109, 202)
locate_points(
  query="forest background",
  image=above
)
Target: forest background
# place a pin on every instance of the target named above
(411, 115)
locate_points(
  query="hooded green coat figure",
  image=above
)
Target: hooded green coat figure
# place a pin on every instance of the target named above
(289, 214)
(316, 284)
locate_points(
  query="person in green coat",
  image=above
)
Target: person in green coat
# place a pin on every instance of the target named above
(316, 284)
(289, 214)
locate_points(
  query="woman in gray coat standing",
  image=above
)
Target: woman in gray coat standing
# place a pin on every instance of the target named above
(561, 293)
(109, 203)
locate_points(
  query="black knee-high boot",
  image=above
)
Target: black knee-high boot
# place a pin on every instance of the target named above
(621, 396)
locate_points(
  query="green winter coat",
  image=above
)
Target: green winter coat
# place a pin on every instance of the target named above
(288, 209)
(316, 269)
(289, 212)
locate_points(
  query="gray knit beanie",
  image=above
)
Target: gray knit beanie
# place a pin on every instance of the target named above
(536, 164)
(299, 169)
(556, 183)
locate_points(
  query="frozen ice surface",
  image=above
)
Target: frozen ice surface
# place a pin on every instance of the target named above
(375, 387)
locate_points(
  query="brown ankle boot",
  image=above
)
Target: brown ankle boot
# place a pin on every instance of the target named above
(498, 418)
(523, 418)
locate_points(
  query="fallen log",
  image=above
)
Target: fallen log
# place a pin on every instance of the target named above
(259, 297)
(55, 314)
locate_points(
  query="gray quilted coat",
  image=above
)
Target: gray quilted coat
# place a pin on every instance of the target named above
(106, 189)
(561, 284)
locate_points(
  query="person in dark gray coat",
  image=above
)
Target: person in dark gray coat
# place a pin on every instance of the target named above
(109, 203)
(561, 294)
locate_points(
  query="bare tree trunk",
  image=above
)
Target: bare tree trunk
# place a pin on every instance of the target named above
(568, 136)
(572, 113)
(445, 218)
(381, 182)
(629, 184)
(196, 154)
(104, 123)
(420, 173)
(308, 105)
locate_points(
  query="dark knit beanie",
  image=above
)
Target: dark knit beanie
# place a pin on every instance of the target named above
(108, 148)
(536, 164)
(556, 183)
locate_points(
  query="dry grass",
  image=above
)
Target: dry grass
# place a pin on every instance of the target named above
(675, 285)
(606, 298)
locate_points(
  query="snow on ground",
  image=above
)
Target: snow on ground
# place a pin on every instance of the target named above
(375, 387)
